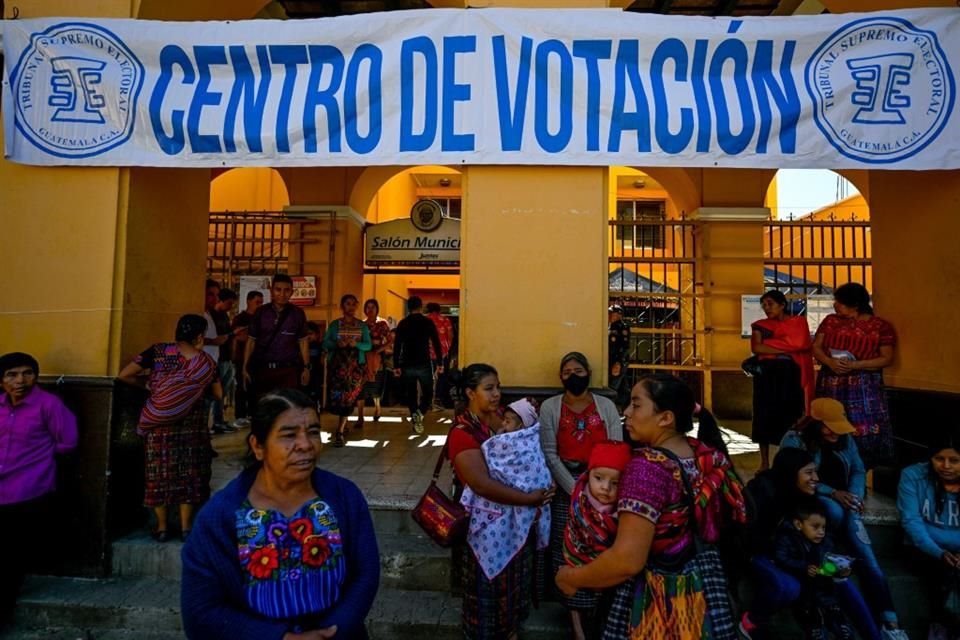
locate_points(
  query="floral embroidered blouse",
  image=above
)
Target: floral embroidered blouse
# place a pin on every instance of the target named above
(578, 432)
(294, 566)
(652, 487)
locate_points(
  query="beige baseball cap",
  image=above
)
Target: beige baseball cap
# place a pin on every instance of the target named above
(831, 413)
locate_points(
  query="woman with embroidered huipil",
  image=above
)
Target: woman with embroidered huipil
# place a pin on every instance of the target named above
(854, 346)
(173, 422)
(346, 342)
(666, 587)
(286, 550)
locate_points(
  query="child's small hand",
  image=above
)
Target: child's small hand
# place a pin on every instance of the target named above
(813, 570)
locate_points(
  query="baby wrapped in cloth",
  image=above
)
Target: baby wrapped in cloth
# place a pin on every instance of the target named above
(592, 526)
(497, 531)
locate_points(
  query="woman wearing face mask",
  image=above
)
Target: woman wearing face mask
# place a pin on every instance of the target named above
(570, 425)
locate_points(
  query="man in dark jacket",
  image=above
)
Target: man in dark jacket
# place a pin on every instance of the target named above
(413, 363)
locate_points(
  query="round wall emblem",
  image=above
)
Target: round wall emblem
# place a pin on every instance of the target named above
(426, 215)
(882, 89)
(76, 88)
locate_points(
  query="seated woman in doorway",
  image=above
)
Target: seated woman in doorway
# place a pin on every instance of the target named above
(347, 342)
(784, 385)
(772, 496)
(286, 550)
(827, 435)
(493, 608)
(928, 499)
(675, 489)
(173, 422)
(571, 424)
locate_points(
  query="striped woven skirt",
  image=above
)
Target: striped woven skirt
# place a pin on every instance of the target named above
(495, 609)
(861, 394)
(178, 461)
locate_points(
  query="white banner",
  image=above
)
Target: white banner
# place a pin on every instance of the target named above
(490, 86)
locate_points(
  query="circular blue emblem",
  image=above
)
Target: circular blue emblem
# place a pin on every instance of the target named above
(882, 89)
(75, 89)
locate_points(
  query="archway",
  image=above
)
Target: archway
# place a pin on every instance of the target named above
(382, 194)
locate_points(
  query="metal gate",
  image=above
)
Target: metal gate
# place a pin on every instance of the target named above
(270, 242)
(653, 276)
(806, 257)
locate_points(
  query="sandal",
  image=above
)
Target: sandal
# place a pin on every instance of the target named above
(338, 440)
(161, 536)
(184, 535)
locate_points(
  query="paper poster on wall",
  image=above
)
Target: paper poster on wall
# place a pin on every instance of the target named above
(253, 283)
(819, 306)
(304, 291)
(750, 312)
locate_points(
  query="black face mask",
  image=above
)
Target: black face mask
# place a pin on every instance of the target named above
(577, 384)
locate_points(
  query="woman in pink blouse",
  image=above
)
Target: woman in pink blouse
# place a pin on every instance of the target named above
(679, 593)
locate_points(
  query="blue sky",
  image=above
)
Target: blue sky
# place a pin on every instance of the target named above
(800, 191)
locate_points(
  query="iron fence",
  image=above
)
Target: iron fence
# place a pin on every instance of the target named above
(655, 283)
(814, 257)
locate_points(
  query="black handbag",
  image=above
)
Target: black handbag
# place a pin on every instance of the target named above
(751, 366)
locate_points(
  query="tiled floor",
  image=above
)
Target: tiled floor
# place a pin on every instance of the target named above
(390, 464)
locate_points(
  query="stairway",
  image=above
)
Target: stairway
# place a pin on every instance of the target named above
(141, 599)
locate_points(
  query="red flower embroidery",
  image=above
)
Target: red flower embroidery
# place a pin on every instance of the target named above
(316, 550)
(301, 528)
(263, 562)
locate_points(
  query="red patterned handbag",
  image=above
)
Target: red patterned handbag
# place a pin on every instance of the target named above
(442, 518)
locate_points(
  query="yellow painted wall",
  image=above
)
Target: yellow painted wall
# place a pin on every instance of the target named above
(525, 300)
(249, 189)
(165, 245)
(57, 233)
(917, 273)
(58, 228)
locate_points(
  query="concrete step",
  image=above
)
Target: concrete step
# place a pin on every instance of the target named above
(408, 561)
(414, 563)
(136, 604)
(139, 555)
(149, 609)
(409, 615)
(57, 633)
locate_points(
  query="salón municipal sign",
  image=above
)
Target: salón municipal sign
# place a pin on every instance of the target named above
(426, 238)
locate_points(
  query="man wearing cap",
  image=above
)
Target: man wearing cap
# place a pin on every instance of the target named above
(618, 339)
(35, 427)
(827, 435)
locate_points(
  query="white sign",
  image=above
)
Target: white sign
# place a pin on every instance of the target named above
(399, 242)
(750, 312)
(254, 283)
(818, 308)
(490, 86)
